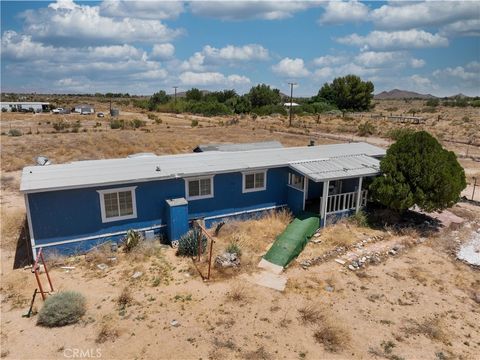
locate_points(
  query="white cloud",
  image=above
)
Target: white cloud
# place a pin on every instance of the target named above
(293, 68)
(211, 78)
(241, 10)
(378, 58)
(329, 60)
(407, 39)
(421, 82)
(408, 15)
(467, 73)
(155, 10)
(417, 63)
(162, 51)
(69, 23)
(462, 28)
(339, 12)
(236, 53)
(390, 59)
(229, 54)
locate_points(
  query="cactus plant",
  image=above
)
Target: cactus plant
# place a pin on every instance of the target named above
(188, 243)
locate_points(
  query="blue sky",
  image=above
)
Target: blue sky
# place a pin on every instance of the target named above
(142, 47)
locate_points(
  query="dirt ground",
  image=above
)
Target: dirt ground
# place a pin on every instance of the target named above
(420, 303)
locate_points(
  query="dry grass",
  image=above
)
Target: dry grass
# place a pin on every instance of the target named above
(238, 294)
(310, 315)
(259, 354)
(419, 274)
(125, 298)
(332, 337)
(12, 222)
(108, 330)
(433, 328)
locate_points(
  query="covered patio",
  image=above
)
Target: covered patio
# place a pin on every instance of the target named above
(333, 187)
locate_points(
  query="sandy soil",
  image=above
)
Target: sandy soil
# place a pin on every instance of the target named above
(420, 303)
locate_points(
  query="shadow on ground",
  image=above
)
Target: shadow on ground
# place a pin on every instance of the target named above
(23, 251)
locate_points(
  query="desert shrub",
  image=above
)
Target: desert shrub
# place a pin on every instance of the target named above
(188, 243)
(76, 127)
(116, 124)
(194, 123)
(137, 123)
(432, 102)
(332, 338)
(359, 219)
(152, 116)
(270, 109)
(429, 109)
(131, 241)
(107, 332)
(417, 170)
(310, 314)
(475, 103)
(14, 132)
(366, 129)
(208, 108)
(396, 134)
(61, 125)
(125, 298)
(234, 248)
(62, 309)
(392, 109)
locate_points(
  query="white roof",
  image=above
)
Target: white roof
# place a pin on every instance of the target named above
(24, 103)
(91, 173)
(288, 104)
(339, 167)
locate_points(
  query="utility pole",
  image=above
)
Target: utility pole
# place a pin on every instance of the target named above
(175, 87)
(291, 99)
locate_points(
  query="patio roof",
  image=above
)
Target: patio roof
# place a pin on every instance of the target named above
(340, 167)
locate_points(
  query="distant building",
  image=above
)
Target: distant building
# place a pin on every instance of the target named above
(84, 109)
(25, 106)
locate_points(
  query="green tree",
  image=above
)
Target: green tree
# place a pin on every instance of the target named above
(418, 171)
(160, 97)
(262, 95)
(194, 94)
(348, 93)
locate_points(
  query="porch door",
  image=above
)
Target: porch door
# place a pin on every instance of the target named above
(335, 187)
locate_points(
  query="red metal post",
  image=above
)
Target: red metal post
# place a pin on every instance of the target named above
(210, 259)
(46, 270)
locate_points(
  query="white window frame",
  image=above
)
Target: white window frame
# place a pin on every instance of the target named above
(199, 197)
(106, 219)
(263, 188)
(295, 186)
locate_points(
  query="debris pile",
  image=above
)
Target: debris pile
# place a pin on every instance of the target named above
(469, 252)
(338, 251)
(227, 260)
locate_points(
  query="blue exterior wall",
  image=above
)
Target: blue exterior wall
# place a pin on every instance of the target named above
(68, 214)
(315, 189)
(228, 197)
(72, 214)
(295, 200)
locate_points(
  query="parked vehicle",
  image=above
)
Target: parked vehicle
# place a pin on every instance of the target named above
(58, 111)
(100, 114)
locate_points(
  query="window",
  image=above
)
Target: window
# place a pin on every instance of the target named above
(118, 204)
(296, 181)
(254, 181)
(199, 188)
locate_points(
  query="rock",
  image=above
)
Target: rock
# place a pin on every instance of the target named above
(102, 266)
(316, 235)
(316, 241)
(392, 252)
(174, 323)
(476, 297)
(340, 261)
(137, 274)
(112, 259)
(329, 288)
(227, 260)
(351, 267)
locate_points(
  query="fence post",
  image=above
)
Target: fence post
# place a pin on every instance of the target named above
(474, 186)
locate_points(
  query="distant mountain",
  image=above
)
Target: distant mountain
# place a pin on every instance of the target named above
(401, 94)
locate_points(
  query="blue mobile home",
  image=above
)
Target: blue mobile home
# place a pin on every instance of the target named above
(72, 207)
